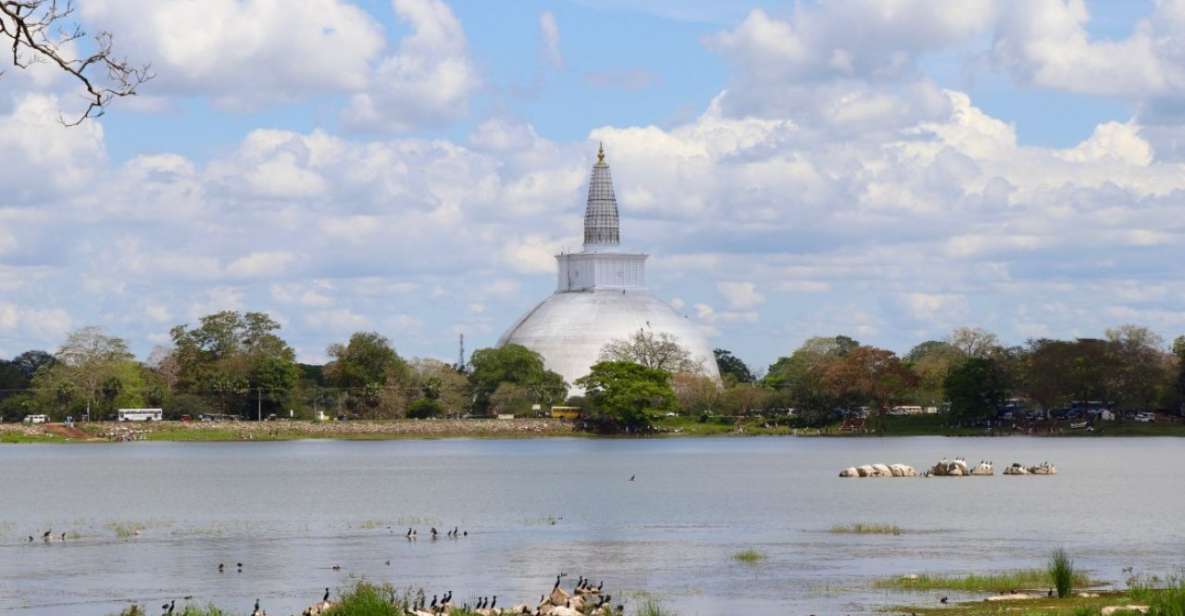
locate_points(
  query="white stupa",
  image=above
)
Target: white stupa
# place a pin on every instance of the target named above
(601, 296)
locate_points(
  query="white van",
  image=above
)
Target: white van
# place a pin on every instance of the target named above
(36, 419)
(140, 415)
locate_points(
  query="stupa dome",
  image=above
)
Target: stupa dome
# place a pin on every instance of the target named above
(601, 297)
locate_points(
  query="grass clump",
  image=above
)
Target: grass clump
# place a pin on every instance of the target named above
(749, 557)
(651, 607)
(126, 530)
(366, 599)
(867, 529)
(1061, 572)
(1001, 582)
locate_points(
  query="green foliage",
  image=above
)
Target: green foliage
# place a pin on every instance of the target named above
(1061, 572)
(976, 389)
(369, 373)
(749, 557)
(367, 599)
(188, 404)
(731, 368)
(515, 364)
(625, 395)
(1004, 581)
(236, 361)
(424, 408)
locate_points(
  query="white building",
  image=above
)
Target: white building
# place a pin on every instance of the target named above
(600, 297)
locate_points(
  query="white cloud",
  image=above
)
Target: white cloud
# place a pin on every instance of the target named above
(427, 81)
(550, 31)
(261, 264)
(740, 294)
(44, 159)
(244, 53)
(31, 323)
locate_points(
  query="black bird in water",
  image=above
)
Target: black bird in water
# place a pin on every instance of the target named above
(943, 600)
(336, 567)
(48, 534)
(325, 599)
(493, 602)
(30, 538)
(632, 477)
(219, 567)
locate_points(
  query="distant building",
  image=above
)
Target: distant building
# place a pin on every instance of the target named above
(601, 296)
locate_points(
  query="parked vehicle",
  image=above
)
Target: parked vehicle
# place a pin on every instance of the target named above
(36, 419)
(139, 415)
(1145, 417)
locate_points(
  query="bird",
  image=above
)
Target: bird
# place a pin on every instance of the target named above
(47, 536)
(632, 477)
(63, 537)
(388, 563)
(943, 600)
(466, 533)
(408, 535)
(336, 567)
(600, 586)
(219, 567)
(257, 611)
(325, 598)
(493, 602)
(433, 604)
(30, 538)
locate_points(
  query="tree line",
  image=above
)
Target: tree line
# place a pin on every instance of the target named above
(237, 364)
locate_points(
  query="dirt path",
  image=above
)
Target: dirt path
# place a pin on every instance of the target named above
(65, 431)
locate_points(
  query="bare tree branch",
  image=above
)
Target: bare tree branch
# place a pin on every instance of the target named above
(39, 30)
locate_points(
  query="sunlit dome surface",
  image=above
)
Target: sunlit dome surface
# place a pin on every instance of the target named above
(601, 296)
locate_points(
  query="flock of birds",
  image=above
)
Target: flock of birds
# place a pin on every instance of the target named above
(412, 534)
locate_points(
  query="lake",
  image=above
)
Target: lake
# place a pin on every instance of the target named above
(290, 511)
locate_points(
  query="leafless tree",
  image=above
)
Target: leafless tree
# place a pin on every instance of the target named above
(660, 351)
(43, 31)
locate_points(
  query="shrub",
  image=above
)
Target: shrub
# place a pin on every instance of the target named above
(424, 408)
(1061, 572)
(366, 599)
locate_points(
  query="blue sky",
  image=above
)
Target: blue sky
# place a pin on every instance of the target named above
(888, 169)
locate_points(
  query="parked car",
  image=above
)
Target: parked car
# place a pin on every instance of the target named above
(1145, 417)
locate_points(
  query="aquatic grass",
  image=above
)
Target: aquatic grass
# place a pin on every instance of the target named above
(1061, 572)
(371, 524)
(652, 607)
(126, 530)
(1000, 582)
(749, 557)
(1168, 601)
(867, 529)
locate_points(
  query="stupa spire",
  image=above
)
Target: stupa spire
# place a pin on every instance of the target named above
(601, 226)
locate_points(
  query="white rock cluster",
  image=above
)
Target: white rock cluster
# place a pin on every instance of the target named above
(879, 470)
(1043, 468)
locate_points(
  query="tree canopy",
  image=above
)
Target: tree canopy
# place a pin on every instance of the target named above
(731, 368)
(516, 364)
(625, 394)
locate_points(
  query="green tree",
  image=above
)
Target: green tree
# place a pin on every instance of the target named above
(625, 395)
(731, 368)
(92, 372)
(237, 361)
(973, 341)
(932, 361)
(371, 375)
(1141, 367)
(515, 364)
(976, 389)
(436, 380)
(799, 378)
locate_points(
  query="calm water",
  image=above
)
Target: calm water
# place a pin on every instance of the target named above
(290, 511)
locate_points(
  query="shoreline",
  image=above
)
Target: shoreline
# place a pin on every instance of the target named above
(524, 428)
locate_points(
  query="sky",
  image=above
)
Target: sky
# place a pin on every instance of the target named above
(884, 169)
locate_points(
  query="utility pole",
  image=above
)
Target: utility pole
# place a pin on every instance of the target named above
(461, 355)
(258, 404)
